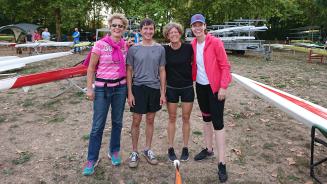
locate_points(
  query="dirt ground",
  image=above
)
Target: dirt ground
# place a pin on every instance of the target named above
(44, 139)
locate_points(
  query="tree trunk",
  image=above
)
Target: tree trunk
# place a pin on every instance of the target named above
(58, 22)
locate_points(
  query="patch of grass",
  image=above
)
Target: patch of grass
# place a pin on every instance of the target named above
(281, 85)
(28, 102)
(281, 175)
(73, 102)
(100, 173)
(239, 115)
(196, 132)
(23, 157)
(263, 77)
(2, 119)
(14, 126)
(11, 92)
(269, 146)
(57, 119)
(50, 104)
(86, 137)
(293, 178)
(8, 171)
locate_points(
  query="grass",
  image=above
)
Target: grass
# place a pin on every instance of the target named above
(2, 119)
(28, 102)
(50, 104)
(269, 146)
(23, 157)
(8, 171)
(86, 137)
(100, 173)
(196, 132)
(57, 119)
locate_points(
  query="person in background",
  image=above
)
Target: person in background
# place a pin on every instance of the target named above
(108, 66)
(46, 35)
(179, 86)
(76, 35)
(29, 39)
(211, 71)
(36, 36)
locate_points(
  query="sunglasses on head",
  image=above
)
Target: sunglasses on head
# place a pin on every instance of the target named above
(117, 25)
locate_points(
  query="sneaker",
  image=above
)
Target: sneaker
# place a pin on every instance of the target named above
(134, 160)
(115, 158)
(89, 167)
(185, 154)
(222, 172)
(150, 157)
(171, 154)
(203, 155)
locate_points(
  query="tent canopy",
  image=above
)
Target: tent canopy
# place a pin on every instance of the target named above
(18, 29)
(106, 30)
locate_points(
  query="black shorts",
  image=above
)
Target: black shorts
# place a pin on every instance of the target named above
(212, 109)
(146, 99)
(185, 94)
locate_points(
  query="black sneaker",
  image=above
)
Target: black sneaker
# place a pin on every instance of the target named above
(203, 155)
(185, 154)
(171, 154)
(222, 173)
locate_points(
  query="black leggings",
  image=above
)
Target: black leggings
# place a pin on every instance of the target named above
(212, 109)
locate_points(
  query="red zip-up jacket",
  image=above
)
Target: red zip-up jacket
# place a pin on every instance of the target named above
(216, 63)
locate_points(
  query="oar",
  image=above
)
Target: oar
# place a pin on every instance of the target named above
(178, 177)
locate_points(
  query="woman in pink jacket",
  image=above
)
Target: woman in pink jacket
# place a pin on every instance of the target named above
(211, 71)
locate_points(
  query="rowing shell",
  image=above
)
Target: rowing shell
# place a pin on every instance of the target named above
(15, 63)
(304, 111)
(44, 77)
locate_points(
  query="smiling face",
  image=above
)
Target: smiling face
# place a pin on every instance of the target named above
(198, 29)
(147, 32)
(174, 35)
(117, 28)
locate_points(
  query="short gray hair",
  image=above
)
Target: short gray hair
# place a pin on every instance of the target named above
(171, 25)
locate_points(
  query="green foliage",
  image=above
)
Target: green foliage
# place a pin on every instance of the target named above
(64, 15)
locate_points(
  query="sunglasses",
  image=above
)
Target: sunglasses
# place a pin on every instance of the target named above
(117, 25)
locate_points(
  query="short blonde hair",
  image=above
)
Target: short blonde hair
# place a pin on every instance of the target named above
(171, 25)
(118, 16)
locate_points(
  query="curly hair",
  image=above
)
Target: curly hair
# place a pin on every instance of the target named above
(171, 25)
(118, 16)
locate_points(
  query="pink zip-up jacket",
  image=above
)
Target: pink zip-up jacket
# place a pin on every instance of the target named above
(215, 62)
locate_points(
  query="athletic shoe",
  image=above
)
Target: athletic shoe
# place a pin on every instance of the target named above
(150, 157)
(133, 160)
(89, 167)
(115, 158)
(185, 154)
(171, 154)
(222, 172)
(203, 155)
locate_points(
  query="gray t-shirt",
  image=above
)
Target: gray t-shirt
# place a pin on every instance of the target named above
(145, 61)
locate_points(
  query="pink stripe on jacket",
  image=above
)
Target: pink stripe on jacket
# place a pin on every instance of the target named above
(215, 62)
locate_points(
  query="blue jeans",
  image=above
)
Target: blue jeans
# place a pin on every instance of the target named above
(116, 97)
(76, 49)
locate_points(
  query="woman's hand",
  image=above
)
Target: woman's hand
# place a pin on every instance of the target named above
(131, 100)
(222, 94)
(90, 94)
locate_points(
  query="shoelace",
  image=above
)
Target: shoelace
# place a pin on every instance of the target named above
(115, 155)
(133, 156)
(151, 155)
(89, 164)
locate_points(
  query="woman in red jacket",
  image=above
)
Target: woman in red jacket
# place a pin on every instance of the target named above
(211, 71)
